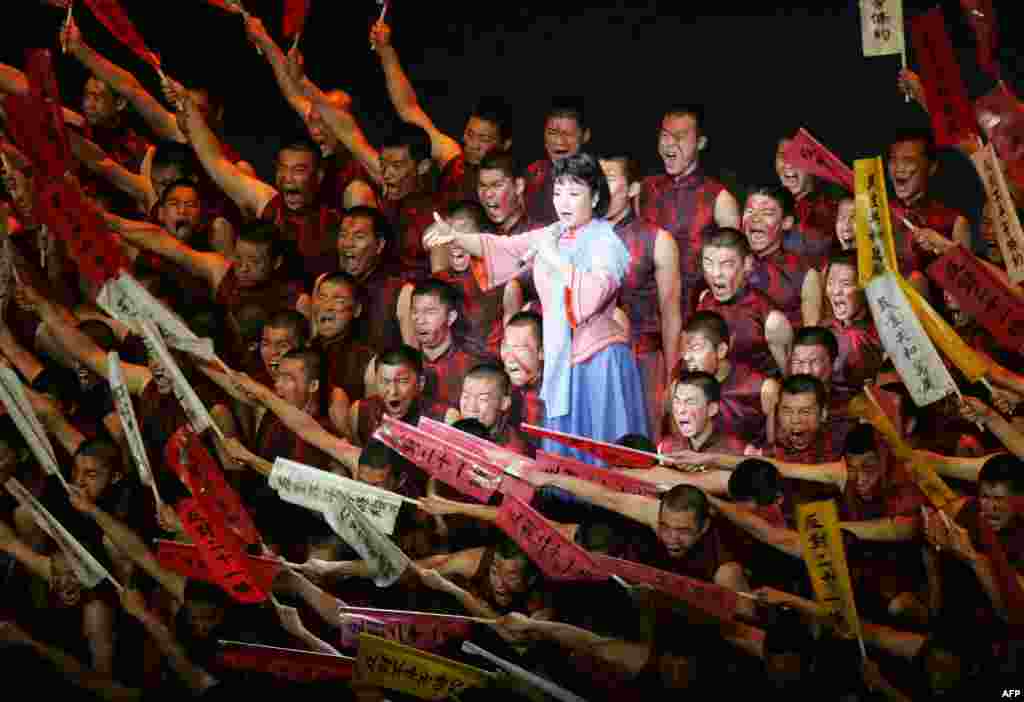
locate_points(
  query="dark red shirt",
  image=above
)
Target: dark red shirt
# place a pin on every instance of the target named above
(703, 559)
(821, 450)
(815, 232)
(377, 327)
(746, 314)
(482, 311)
(445, 373)
(313, 232)
(339, 172)
(409, 218)
(638, 293)
(781, 277)
(540, 193)
(926, 213)
(528, 408)
(344, 366)
(860, 355)
(458, 181)
(685, 207)
(740, 411)
(716, 443)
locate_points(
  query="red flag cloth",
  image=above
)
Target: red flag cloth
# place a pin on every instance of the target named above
(952, 118)
(981, 15)
(556, 556)
(295, 12)
(112, 16)
(67, 213)
(53, 156)
(808, 154)
(234, 9)
(714, 599)
(185, 559)
(610, 453)
(200, 473)
(500, 456)
(982, 295)
(611, 479)
(469, 474)
(287, 663)
(423, 630)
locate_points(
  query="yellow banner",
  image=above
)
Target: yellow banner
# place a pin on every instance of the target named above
(973, 365)
(876, 249)
(384, 663)
(826, 562)
(864, 406)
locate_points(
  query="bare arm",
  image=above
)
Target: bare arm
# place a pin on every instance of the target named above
(636, 507)
(974, 409)
(891, 529)
(25, 362)
(137, 186)
(35, 563)
(345, 128)
(727, 210)
(811, 294)
(785, 540)
(902, 644)
(670, 284)
(258, 35)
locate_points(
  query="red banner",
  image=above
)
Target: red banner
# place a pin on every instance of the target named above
(714, 599)
(185, 559)
(294, 20)
(469, 474)
(112, 16)
(222, 4)
(808, 154)
(611, 479)
(952, 118)
(556, 556)
(422, 630)
(519, 489)
(53, 154)
(982, 295)
(610, 453)
(500, 456)
(982, 18)
(287, 663)
(198, 470)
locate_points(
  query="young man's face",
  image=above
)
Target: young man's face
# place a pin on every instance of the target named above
(482, 399)
(691, 410)
(63, 581)
(204, 618)
(92, 475)
(274, 344)
(297, 178)
(813, 360)
(763, 224)
(181, 212)
(508, 579)
(292, 383)
(162, 176)
(99, 103)
(994, 500)
(521, 354)
(843, 293)
(253, 262)
(334, 308)
(796, 181)
(398, 170)
(799, 418)
(679, 531)
(725, 271)
(846, 224)
(359, 248)
(700, 354)
(399, 386)
(679, 144)
(563, 137)
(480, 138)
(500, 194)
(867, 472)
(909, 169)
(618, 184)
(432, 320)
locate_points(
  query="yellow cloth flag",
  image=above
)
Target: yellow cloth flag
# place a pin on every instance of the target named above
(866, 407)
(973, 365)
(876, 249)
(825, 558)
(384, 663)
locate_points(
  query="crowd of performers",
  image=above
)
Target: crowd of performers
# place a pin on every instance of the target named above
(431, 277)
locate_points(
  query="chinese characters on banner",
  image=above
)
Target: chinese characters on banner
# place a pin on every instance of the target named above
(12, 396)
(952, 117)
(386, 561)
(876, 249)
(982, 295)
(286, 663)
(124, 299)
(613, 480)
(386, 664)
(556, 556)
(912, 352)
(1005, 221)
(129, 422)
(881, 26)
(808, 154)
(422, 630)
(825, 557)
(619, 456)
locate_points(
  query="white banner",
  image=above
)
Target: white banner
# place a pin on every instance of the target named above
(200, 348)
(1005, 221)
(124, 299)
(906, 342)
(20, 409)
(881, 26)
(198, 417)
(318, 490)
(387, 562)
(87, 569)
(130, 424)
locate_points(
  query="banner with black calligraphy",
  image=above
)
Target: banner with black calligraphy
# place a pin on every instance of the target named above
(825, 558)
(556, 556)
(952, 117)
(982, 295)
(185, 559)
(881, 27)
(54, 155)
(386, 561)
(473, 444)
(907, 344)
(129, 422)
(1004, 219)
(718, 601)
(805, 152)
(613, 480)
(127, 301)
(287, 663)
(468, 473)
(392, 666)
(876, 248)
(12, 395)
(619, 456)
(423, 630)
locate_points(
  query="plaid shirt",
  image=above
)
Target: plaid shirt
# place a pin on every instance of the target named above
(860, 355)
(745, 314)
(638, 293)
(339, 173)
(527, 408)
(781, 277)
(344, 366)
(685, 207)
(482, 311)
(377, 327)
(740, 412)
(313, 233)
(823, 449)
(458, 181)
(540, 193)
(925, 213)
(409, 218)
(445, 373)
(815, 233)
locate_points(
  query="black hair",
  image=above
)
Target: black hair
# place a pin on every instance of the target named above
(528, 319)
(264, 234)
(444, 292)
(709, 324)
(630, 168)
(584, 168)
(569, 108)
(1004, 468)
(755, 479)
(707, 383)
(311, 362)
(493, 371)
(473, 427)
(180, 183)
(921, 134)
(686, 498)
(377, 454)
(802, 383)
(504, 161)
(728, 238)
(410, 137)
(303, 145)
(402, 355)
(817, 336)
(497, 111)
(777, 193)
(639, 442)
(861, 440)
(471, 209)
(172, 153)
(687, 109)
(381, 225)
(294, 322)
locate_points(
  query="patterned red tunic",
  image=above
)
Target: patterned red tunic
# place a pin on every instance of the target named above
(482, 312)
(815, 232)
(746, 314)
(409, 218)
(781, 277)
(740, 411)
(313, 232)
(926, 213)
(540, 193)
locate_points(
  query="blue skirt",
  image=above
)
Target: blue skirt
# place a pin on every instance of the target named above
(606, 402)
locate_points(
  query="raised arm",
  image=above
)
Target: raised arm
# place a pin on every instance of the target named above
(137, 186)
(669, 279)
(811, 295)
(785, 540)
(975, 410)
(636, 507)
(345, 128)
(292, 91)
(14, 82)
(443, 148)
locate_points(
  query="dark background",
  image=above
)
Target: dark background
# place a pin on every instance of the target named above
(758, 70)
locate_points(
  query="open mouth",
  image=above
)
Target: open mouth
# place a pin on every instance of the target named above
(292, 197)
(393, 407)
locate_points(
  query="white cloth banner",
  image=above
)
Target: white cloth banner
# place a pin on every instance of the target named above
(20, 409)
(906, 342)
(881, 27)
(124, 299)
(318, 490)
(87, 569)
(200, 348)
(198, 417)
(387, 562)
(1005, 221)
(125, 410)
